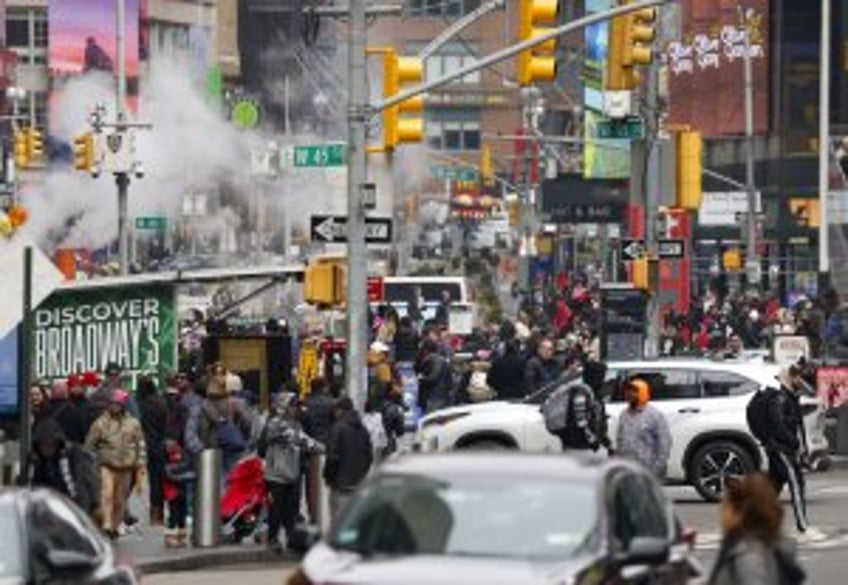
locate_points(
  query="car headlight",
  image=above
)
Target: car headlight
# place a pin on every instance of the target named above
(443, 420)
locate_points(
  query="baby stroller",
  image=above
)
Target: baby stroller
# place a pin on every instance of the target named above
(244, 499)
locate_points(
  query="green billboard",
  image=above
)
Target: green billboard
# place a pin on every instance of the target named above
(86, 329)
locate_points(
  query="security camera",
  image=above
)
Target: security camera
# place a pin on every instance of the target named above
(138, 170)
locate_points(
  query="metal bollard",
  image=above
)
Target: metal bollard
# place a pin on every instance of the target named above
(206, 527)
(318, 494)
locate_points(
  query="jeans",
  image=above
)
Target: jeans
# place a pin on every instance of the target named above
(178, 508)
(285, 504)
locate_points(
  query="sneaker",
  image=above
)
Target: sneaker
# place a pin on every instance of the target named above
(275, 546)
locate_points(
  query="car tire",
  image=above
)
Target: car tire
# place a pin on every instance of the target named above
(716, 461)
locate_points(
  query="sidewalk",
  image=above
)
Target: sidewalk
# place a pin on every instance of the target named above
(145, 548)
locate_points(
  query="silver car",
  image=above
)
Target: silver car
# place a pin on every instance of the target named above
(503, 518)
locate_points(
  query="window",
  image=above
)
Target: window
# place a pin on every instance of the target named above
(40, 29)
(36, 103)
(17, 28)
(726, 384)
(435, 8)
(449, 58)
(669, 384)
(637, 510)
(443, 135)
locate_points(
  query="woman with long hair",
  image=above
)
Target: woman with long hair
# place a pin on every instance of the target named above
(752, 550)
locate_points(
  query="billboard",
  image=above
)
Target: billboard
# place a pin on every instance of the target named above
(706, 67)
(82, 38)
(81, 330)
(602, 158)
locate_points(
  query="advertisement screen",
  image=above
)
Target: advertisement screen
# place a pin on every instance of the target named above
(9, 374)
(706, 67)
(79, 331)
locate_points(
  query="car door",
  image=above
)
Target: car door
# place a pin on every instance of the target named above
(676, 392)
(637, 508)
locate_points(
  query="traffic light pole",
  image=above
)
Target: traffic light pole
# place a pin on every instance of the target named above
(122, 179)
(356, 380)
(824, 149)
(752, 259)
(652, 189)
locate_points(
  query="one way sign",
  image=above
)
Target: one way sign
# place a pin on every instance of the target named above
(333, 229)
(632, 249)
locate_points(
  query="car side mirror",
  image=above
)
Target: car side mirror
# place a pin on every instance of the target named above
(646, 550)
(69, 561)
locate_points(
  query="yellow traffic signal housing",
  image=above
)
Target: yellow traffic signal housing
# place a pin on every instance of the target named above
(629, 45)
(34, 144)
(640, 274)
(539, 63)
(398, 127)
(513, 207)
(324, 284)
(732, 260)
(20, 149)
(690, 147)
(84, 152)
(487, 170)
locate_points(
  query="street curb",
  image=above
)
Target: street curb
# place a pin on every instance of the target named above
(195, 559)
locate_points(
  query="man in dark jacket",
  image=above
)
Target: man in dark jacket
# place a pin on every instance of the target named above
(787, 442)
(434, 378)
(63, 466)
(406, 341)
(349, 456)
(72, 421)
(541, 368)
(506, 377)
(318, 411)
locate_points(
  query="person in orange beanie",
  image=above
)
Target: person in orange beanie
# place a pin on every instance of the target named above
(643, 433)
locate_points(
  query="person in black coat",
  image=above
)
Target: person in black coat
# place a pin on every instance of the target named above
(154, 422)
(317, 411)
(58, 464)
(407, 341)
(541, 369)
(73, 422)
(506, 377)
(349, 456)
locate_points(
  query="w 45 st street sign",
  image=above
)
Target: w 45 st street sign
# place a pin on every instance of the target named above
(325, 155)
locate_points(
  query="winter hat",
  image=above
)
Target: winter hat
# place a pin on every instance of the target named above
(59, 391)
(112, 369)
(90, 379)
(379, 347)
(121, 398)
(286, 400)
(643, 391)
(74, 381)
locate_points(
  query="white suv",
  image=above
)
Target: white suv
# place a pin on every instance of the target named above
(704, 402)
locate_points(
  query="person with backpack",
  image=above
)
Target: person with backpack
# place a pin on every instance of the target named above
(752, 551)
(775, 419)
(282, 444)
(576, 415)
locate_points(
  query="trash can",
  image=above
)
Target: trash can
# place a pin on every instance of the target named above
(206, 526)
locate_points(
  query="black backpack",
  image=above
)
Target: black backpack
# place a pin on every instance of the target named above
(757, 414)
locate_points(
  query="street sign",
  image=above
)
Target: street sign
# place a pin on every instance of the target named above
(671, 249)
(333, 229)
(632, 249)
(610, 212)
(151, 223)
(376, 289)
(632, 127)
(452, 173)
(325, 155)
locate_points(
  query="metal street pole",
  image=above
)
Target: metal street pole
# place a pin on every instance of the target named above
(752, 260)
(527, 246)
(824, 147)
(24, 367)
(357, 298)
(652, 189)
(122, 179)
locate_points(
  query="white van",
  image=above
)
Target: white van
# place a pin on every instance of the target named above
(400, 290)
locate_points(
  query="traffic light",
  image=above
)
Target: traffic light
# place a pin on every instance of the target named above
(34, 144)
(689, 169)
(513, 207)
(398, 126)
(629, 45)
(487, 170)
(20, 149)
(84, 152)
(731, 260)
(538, 63)
(324, 284)
(640, 274)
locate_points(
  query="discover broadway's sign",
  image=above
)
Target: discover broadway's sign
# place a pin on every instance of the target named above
(81, 330)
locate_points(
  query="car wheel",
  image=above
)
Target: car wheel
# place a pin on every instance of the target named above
(714, 463)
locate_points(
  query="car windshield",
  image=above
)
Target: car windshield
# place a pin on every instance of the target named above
(10, 552)
(480, 516)
(540, 395)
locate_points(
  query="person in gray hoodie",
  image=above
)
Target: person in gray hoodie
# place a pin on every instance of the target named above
(752, 551)
(643, 433)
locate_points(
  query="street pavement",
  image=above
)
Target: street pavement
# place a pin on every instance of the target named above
(822, 551)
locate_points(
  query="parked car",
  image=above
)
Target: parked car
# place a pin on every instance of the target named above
(46, 538)
(504, 518)
(704, 402)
